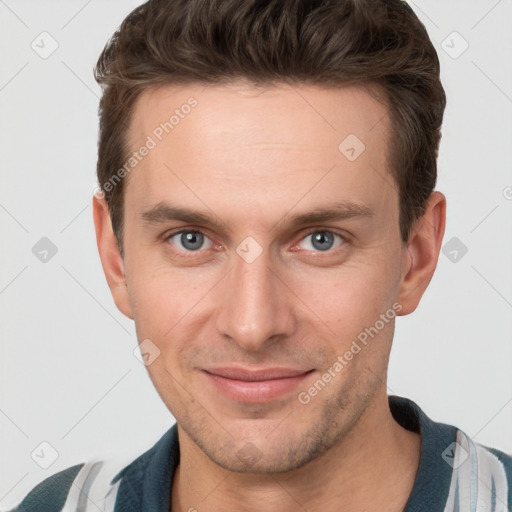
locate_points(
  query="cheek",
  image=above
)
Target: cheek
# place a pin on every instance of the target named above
(352, 294)
(170, 307)
(161, 293)
(346, 304)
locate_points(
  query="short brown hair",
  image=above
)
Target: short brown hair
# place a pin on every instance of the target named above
(316, 42)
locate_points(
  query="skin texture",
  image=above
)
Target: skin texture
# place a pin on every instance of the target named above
(252, 158)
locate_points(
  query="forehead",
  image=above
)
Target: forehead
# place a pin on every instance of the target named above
(239, 104)
(257, 142)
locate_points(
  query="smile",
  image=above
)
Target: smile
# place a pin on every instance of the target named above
(256, 386)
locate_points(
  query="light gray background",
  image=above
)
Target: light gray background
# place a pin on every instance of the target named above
(68, 374)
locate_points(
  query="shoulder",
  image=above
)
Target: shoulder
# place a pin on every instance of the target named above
(504, 458)
(455, 472)
(481, 474)
(50, 495)
(116, 483)
(73, 487)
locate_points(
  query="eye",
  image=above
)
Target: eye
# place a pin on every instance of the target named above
(190, 240)
(321, 240)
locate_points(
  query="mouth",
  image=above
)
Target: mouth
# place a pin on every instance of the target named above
(255, 386)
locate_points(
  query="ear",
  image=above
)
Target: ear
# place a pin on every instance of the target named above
(421, 253)
(111, 260)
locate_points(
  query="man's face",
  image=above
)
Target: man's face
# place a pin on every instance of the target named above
(254, 290)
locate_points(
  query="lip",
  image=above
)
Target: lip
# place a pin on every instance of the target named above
(255, 386)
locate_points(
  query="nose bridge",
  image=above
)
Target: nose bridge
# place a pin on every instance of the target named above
(253, 305)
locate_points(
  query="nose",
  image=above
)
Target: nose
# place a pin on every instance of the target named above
(254, 304)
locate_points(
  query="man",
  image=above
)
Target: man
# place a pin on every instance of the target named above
(266, 210)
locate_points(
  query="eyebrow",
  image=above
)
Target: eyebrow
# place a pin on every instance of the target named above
(164, 212)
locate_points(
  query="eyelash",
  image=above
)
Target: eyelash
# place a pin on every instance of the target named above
(181, 253)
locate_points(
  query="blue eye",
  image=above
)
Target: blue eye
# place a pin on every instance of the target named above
(195, 241)
(323, 240)
(190, 240)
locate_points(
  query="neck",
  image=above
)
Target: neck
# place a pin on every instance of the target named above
(364, 471)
